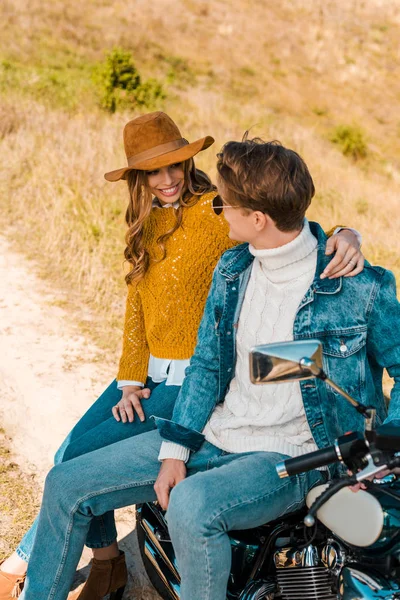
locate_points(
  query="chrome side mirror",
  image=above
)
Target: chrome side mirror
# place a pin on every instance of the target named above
(283, 361)
(296, 361)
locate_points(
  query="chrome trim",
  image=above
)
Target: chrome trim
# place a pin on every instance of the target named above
(311, 583)
(385, 480)
(281, 470)
(337, 450)
(151, 554)
(288, 558)
(333, 556)
(259, 590)
(310, 557)
(370, 469)
(292, 557)
(152, 535)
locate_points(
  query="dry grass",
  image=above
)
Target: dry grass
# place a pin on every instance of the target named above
(19, 504)
(292, 71)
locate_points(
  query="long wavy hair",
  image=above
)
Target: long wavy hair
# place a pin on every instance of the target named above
(196, 183)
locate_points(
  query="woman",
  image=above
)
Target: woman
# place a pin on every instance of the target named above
(174, 241)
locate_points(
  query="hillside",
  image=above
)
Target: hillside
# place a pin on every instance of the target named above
(298, 71)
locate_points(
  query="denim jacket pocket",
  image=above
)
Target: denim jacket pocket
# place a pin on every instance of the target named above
(344, 358)
(344, 343)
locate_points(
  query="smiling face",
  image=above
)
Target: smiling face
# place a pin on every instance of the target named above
(167, 183)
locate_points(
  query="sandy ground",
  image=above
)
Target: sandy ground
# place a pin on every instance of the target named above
(48, 378)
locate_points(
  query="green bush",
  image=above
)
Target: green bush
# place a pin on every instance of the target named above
(351, 140)
(121, 85)
(148, 93)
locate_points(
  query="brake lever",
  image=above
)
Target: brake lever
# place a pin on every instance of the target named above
(374, 466)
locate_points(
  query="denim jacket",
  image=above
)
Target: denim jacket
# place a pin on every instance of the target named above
(357, 320)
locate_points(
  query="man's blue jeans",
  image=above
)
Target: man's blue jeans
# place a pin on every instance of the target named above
(222, 492)
(97, 429)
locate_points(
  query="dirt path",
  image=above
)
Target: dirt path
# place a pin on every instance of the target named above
(48, 378)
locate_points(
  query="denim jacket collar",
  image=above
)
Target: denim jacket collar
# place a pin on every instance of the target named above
(233, 267)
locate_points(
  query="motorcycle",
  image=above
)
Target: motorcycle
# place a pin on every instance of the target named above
(341, 545)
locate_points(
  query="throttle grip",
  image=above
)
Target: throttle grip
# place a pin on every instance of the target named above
(307, 462)
(347, 446)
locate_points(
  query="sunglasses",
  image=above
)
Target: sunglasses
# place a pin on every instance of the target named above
(218, 206)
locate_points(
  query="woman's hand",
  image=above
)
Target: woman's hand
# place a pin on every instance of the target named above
(348, 260)
(130, 401)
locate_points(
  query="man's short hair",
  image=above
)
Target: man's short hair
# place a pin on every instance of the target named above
(268, 177)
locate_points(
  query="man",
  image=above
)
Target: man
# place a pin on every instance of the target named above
(226, 435)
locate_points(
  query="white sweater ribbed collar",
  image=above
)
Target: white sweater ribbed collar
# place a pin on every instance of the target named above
(291, 260)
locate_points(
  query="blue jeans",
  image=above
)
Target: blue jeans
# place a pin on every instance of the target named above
(222, 492)
(97, 429)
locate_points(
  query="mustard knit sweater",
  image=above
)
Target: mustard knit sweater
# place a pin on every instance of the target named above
(164, 309)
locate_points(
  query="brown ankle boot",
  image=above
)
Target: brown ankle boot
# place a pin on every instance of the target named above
(106, 578)
(11, 585)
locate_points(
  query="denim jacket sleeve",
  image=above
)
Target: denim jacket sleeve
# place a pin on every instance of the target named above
(200, 389)
(383, 339)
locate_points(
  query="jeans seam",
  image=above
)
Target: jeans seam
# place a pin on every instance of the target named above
(22, 554)
(70, 524)
(208, 572)
(103, 529)
(257, 499)
(248, 502)
(103, 544)
(215, 459)
(57, 578)
(104, 539)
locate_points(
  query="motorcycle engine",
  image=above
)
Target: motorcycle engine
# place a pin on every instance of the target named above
(308, 572)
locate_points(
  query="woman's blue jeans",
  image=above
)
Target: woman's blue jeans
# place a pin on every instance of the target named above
(222, 492)
(97, 429)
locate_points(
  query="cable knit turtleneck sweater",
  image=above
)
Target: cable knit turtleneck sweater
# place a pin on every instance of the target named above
(268, 417)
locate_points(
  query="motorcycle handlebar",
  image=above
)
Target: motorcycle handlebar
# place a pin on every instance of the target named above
(347, 446)
(307, 462)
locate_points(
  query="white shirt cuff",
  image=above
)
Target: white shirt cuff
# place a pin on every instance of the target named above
(356, 233)
(124, 382)
(171, 450)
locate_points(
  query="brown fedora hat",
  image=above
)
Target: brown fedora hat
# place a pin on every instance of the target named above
(154, 141)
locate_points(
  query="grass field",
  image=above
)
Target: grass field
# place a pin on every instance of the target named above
(19, 500)
(319, 76)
